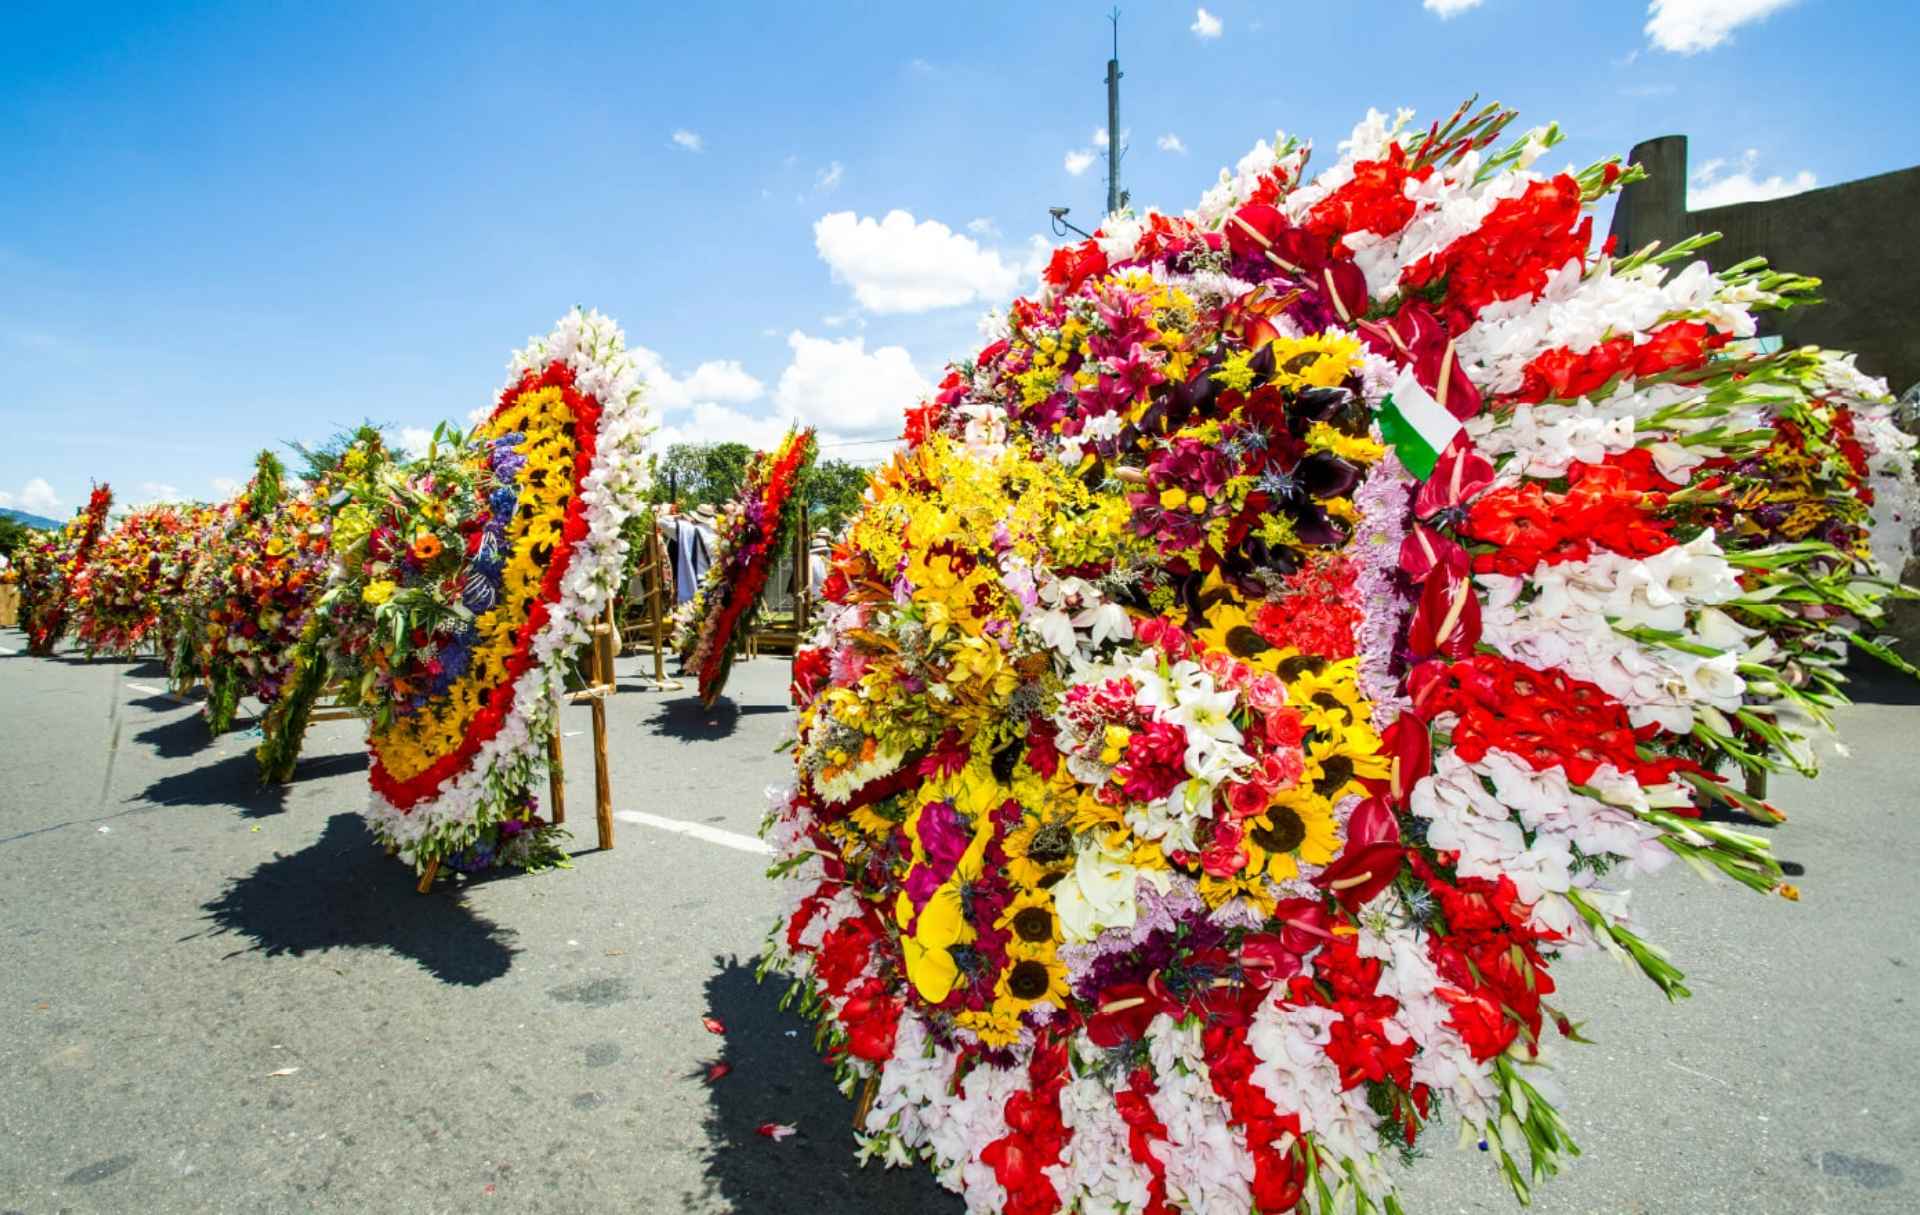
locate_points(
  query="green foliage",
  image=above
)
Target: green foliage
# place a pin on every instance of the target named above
(269, 476)
(323, 462)
(14, 536)
(693, 474)
(833, 489)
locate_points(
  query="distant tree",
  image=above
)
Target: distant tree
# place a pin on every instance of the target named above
(15, 535)
(695, 473)
(833, 489)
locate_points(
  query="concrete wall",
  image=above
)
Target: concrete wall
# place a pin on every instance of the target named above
(1860, 238)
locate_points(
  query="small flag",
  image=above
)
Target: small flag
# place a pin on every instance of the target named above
(1417, 426)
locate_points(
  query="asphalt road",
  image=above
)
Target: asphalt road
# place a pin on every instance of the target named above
(171, 937)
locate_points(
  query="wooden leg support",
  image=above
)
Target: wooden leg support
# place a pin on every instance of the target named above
(602, 779)
(426, 879)
(556, 778)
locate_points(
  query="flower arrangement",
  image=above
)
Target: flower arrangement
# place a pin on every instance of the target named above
(265, 572)
(192, 570)
(1280, 646)
(353, 461)
(462, 582)
(52, 569)
(751, 538)
(118, 597)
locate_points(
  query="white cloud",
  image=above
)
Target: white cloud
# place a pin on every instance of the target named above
(1079, 161)
(840, 386)
(158, 491)
(707, 422)
(1171, 143)
(413, 441)
(898, 264)
(686, 139)
(1205, 24)
(1687, 27)
(1449, 8)
(225, 487)
(1100, 137)
(829, 177)
(984, 227)
(717, 381)
(1713, 185)
(36, 497)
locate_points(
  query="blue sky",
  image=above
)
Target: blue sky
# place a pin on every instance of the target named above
(233, 225)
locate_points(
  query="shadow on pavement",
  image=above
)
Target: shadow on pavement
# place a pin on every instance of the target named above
(173, 739)
(233, 781)
(689, 721)
(1872, 682)
(776, 1078)
(344, 892)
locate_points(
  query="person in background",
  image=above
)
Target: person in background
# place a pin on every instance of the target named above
(694, 539)
(819, 560)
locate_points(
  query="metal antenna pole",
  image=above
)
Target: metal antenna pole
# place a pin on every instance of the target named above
(1113, 119)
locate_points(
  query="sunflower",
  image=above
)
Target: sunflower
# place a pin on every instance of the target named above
(1230, 630)
(1322, 360)
(1031, 920)
(1248, 884)
(1030, 977)
(1040, 848)
(1335, 758)
(1328, 697)
(1299, 826)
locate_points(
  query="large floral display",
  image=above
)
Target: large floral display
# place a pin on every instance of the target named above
(119, 596)
(52, 568)
(465, 580)
(1278, 648)
(753, 534)
(266, 567)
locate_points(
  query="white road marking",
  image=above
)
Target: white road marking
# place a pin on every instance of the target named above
(141, 687)
(8, 651)
(699, 831)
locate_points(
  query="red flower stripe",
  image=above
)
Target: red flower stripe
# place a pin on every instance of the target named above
(487, 723)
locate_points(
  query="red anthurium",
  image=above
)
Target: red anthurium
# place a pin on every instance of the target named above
(1266, 959)
(1410, 744)
(1124, 1012)
(1305, 924)
(1359, 873)
(1447, 619)
(1425, 550)
(1372, 822)
(1458, 477)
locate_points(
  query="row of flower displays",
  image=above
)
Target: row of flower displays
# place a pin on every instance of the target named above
(445, 595)
(1285, 641)
(753, 534)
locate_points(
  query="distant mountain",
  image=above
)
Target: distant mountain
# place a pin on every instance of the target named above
(40, 521)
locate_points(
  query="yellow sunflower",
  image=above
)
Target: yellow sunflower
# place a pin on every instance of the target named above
(1030, 979)
(1040, 847)
(1229, 629)
(1299, 826)
(1031, 920)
